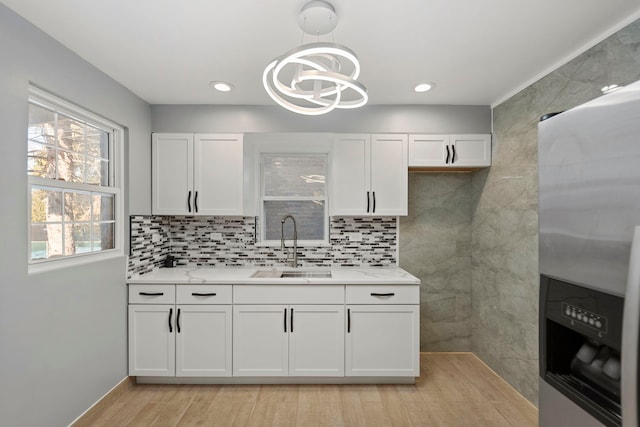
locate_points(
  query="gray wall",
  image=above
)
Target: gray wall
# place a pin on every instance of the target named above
(505, 208)
(63, 333)
(368, 119)
(435, 245)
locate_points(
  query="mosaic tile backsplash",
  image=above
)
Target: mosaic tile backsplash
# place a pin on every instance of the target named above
(230, 241)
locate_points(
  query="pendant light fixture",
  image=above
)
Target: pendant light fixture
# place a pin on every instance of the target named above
(316, 78)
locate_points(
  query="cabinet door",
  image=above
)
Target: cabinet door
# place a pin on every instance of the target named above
(218, 174)
(471, 150)
(428, 150)
(203, 341)
(260, 340)
(151, 340)
(383, 340)
(350, 176)
(389, 175)
(172, 174)
(316, 340)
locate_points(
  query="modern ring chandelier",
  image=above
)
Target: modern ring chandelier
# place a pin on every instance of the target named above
(318, 77)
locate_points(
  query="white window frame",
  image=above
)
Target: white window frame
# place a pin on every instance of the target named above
(262, 198)
(116, 179)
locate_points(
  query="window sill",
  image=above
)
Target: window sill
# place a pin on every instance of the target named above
(289, 244)
(39, 267)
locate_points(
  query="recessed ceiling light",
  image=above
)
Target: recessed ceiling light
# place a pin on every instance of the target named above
(221, 86)
(424, 87)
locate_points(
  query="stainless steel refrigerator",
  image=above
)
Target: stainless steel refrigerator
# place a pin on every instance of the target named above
(589, 242)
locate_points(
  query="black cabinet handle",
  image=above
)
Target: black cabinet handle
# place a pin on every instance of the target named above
(448, 154)
(348, 320)
(374, 202)
(189, 200)
(368, 200)
(151, 294)
(170, 316)
(195, 202)
(198, 294)
(178, 321)
(292, 320)
(285, 320)
(376, 294)
(453, 156)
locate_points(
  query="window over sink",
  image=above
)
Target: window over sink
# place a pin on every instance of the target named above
(296, 185)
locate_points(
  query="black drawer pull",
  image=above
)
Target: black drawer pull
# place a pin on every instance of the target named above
(199, 294)
(348, 320)
(375, 294)
(170, 316)
(178, 321)
(151, 294)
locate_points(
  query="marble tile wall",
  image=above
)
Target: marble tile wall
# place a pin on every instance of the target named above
(504, 239)
(435, 246)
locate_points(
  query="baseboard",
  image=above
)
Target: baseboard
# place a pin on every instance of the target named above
(105, 401)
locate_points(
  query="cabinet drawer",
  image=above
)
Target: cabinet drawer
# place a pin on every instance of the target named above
(288, 294)
(383, 294)
(203, 294)
(152, 294)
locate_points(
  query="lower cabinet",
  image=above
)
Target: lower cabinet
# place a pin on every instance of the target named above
(152, 347)
(383, 331)
(184, 340)
(288, 340)
(203, 341)
(274, 331)
(383, 340)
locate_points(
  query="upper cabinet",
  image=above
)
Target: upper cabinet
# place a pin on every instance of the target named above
(369, 175)
(450, 151)
(197, 174)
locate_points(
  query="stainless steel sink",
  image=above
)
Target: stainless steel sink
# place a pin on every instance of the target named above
(292, 274)
(307, 274)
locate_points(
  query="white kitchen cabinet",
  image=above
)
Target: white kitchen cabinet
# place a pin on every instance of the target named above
(288, 340)
(189, 337)
(369, 175)
(383, 331)
(316, 340)
(260, 340)
(450, 151)
(199, 174)
(151, 340)
(203, 340)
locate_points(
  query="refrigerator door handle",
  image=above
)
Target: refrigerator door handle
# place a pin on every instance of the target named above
(630, 336)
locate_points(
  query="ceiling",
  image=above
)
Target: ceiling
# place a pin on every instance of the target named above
(476, 51)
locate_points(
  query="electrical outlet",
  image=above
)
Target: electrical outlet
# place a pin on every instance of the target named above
(155, 237)
(215, 236)
(355, 237)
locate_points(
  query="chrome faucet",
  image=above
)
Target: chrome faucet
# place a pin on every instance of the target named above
(294, 261)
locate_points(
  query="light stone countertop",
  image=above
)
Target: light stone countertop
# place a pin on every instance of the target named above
(242, 276)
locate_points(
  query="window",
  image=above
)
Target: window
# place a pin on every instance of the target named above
(74, 194)
(294, 184)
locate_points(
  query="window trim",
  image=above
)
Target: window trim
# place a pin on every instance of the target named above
(262, 198)
(45, 99)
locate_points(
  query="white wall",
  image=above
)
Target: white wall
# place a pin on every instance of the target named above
(62, 334)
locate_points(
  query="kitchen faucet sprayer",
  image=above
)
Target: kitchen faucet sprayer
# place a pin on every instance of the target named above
(294, 261)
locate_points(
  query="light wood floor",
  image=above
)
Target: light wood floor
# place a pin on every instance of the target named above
(454, 389)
